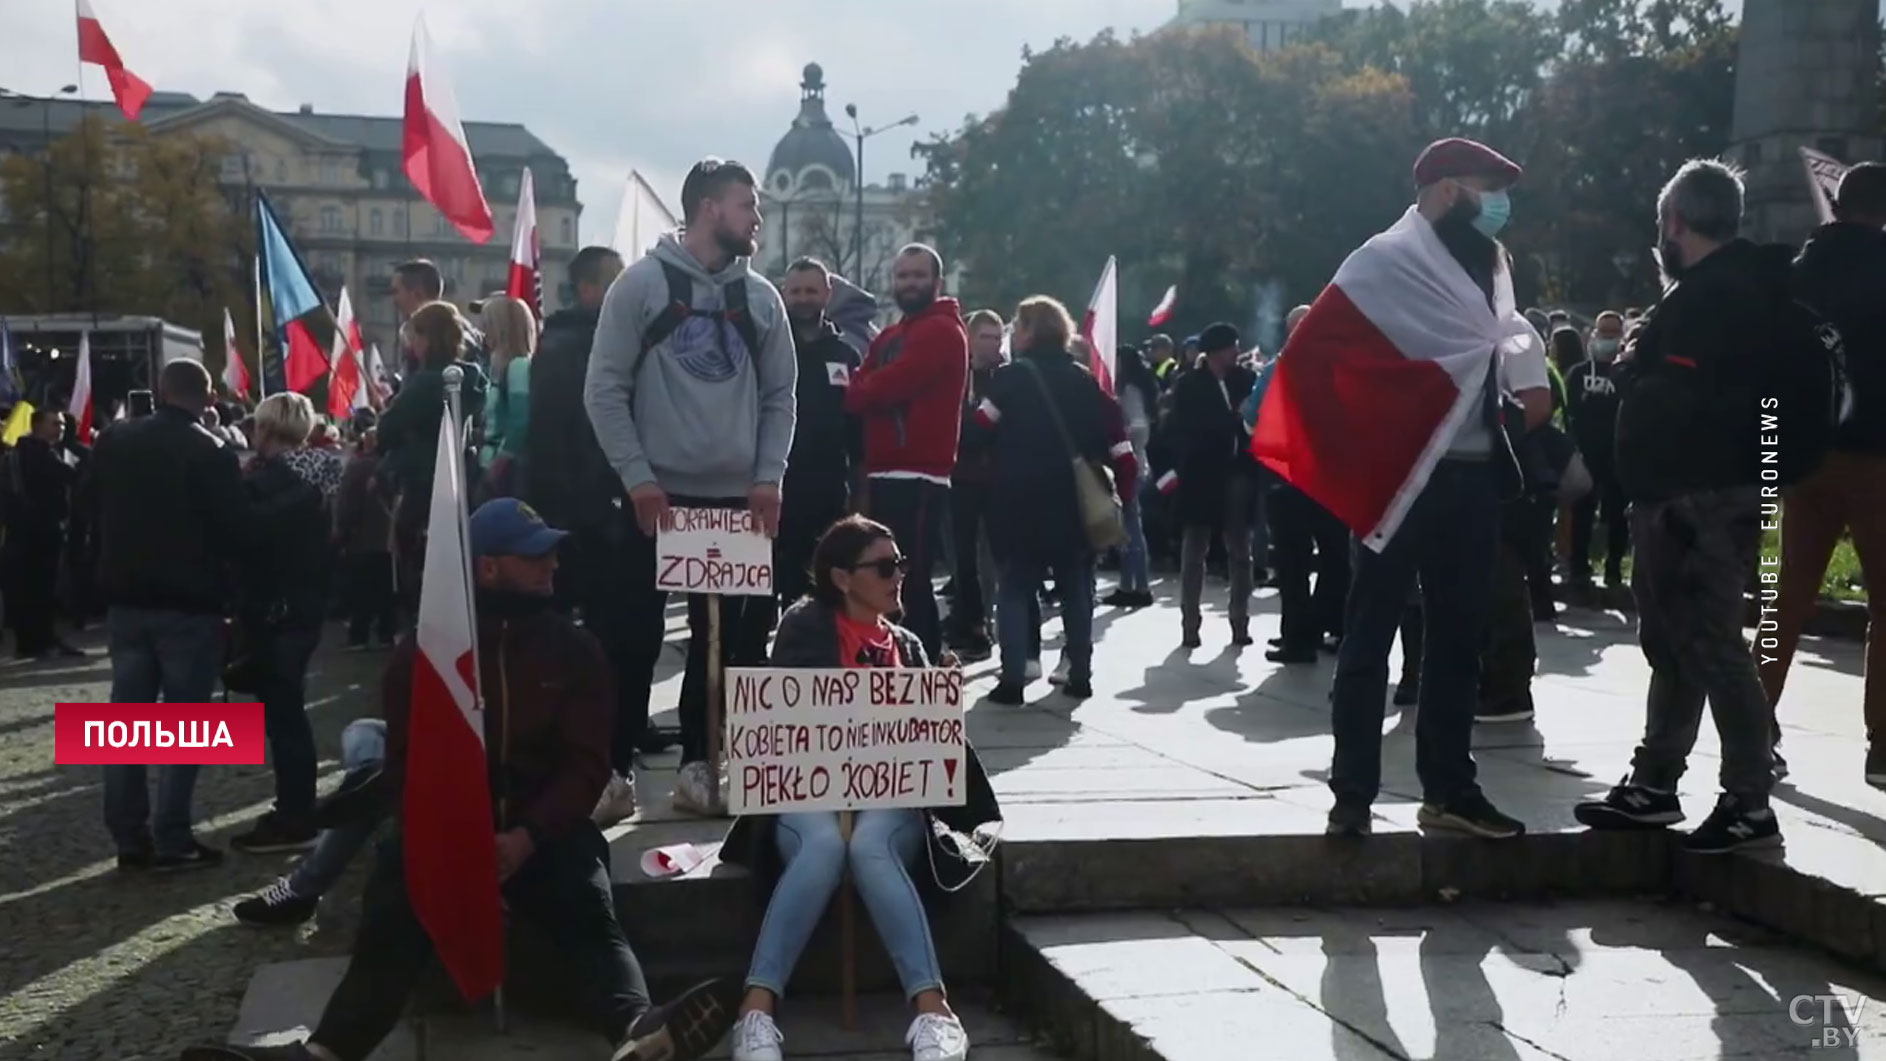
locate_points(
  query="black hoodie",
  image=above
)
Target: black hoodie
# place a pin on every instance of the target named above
(828, 442)
(572, 484)
(1842, 274)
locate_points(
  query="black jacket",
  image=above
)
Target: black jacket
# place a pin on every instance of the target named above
(1033, 508)
(1688, 419)
(39, 491)
(409, 429)
(1842, 274)
(1592, 396)
(574, 486)
(1204, 443)
(285, 571)
(171, 513)
(828, 442)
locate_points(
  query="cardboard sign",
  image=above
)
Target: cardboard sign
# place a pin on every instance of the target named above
(844, 739)
(713, 550)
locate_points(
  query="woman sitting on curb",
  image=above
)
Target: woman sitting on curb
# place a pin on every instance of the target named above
(857, 576)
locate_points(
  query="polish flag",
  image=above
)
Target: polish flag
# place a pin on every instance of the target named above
(526, 280)
(95, 47)
(81, 404)
(1371, 387)
(235, 373)
(1162, 313)
(376, 375)
(343, 384)
(1101, 328)
(451, 855)
(438, 157)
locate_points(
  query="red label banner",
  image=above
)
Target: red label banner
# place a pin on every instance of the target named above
(214, 734)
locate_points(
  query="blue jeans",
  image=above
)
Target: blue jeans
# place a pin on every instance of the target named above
(1018, 590)
(1135, 563)
(1450, 541)
(285, 716)
(363, 745)
(180, 656)
(883, 845)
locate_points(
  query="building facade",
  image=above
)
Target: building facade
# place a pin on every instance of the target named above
(337, 183)
(1267, 24)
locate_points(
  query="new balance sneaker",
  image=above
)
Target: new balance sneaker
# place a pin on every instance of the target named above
(1629, 806)
(277, 905)
(695, 792)
(1474, 815)
(1876, 765)
(1732, 826)
(273, 834)
(617, 803)
(757, 1038)
(936, 1037)
(685, 1029)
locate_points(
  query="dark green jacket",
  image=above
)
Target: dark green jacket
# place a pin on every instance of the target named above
(409, 429)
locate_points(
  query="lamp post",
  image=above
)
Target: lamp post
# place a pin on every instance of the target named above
(45, 103)
(863, 133)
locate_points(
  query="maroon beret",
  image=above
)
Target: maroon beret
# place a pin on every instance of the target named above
(1455, 157)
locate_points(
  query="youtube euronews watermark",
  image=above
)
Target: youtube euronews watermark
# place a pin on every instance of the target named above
(1833, 1018)
(1769, 441)
(212, 734)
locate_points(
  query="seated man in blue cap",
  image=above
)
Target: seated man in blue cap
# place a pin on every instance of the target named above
(548, 682)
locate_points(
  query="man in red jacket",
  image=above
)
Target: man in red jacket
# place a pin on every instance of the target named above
(910, 395)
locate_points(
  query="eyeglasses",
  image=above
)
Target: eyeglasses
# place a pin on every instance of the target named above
(885, 568)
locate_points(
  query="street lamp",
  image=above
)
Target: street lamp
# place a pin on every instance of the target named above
(22, 100)
(862, 134)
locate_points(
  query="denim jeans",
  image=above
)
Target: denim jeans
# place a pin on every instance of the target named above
(1135, 563)
(1018, 618)
(1450, 540)
(285, 715)
(884, 844)
(363, 745)
(178, 655)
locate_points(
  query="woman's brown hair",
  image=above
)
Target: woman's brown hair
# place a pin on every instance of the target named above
(442, 328)
(1048, 321)
(838, 550)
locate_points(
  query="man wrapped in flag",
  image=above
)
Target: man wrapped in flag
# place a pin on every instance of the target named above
(1385, 409)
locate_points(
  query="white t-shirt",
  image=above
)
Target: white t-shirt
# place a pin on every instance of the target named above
(1522, 368)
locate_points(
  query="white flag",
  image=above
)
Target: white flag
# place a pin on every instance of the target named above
(1823, 180)
(641, 220)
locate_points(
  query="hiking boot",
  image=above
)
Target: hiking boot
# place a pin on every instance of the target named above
(1732, 826)
(1629, 806)
(277, 905)
(200, 856)
(1474, 815)
(685, 1029)
(274, 834)
(617, 803)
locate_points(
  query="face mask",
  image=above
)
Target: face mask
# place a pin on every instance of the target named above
(1496, 209)
(1604, 349)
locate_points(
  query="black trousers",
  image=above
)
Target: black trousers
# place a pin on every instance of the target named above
(809, 511)
(369, 596)
(607, 573)
(969, 517)
(1306, 539)
(1606, 500)
(32, 584)
(914, 510)
(745, 625)
(564, 888)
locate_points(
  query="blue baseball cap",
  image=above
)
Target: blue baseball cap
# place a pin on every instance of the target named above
(506, 526)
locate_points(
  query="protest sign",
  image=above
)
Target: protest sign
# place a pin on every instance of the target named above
(844, 739)
(713, 550)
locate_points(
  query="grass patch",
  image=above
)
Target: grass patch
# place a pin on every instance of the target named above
(1842, 580)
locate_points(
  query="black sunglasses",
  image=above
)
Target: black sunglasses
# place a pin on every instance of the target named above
(885, 568)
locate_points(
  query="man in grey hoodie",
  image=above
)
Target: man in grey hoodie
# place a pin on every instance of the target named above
(702, 415)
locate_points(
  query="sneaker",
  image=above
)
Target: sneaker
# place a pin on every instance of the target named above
(1241, 634)
(617, 803)
(273, 834)
(200, 856)
(1733, 827)
(1033, 671)
(277, 905)
(1291, 656)
(1474, 815)
(1876, 766)
(695, 792)
(757, 1038)
(1139, 599)
(1407, 692)
(139, 859)
(291, 1052)
(1078, 689)
(1119, 598)
(1511, 711)
(1629, 806)
(936, 1037)
(1350, 819)
(1190, 639)
(1007, 694)
(66, 651)
(1059, 677)
(685, 1029)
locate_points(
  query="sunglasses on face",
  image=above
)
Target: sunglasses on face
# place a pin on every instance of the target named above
(886, 567)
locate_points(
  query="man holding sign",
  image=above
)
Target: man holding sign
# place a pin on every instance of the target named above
(690, 390)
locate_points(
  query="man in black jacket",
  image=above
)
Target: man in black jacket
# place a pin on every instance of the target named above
(39, 488)
(1687, 456)
(828, 445)
(1216, 479)
(171, 520)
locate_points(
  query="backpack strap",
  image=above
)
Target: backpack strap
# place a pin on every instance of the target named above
(734, 297)
(679, 308)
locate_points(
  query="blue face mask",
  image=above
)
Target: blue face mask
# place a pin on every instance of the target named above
(1496, 209)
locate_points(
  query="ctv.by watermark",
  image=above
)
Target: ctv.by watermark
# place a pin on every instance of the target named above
(1834, 1018)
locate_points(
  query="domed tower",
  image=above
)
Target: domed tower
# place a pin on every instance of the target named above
(812, 157)
(1806, 76)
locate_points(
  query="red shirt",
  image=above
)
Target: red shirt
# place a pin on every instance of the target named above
(866, 644)
(909, 394)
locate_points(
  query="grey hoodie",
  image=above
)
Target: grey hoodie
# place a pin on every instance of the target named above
(707, 418)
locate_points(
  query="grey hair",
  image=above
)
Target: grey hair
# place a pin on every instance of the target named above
(1707, 196)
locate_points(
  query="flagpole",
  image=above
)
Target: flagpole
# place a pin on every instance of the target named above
(261, 358)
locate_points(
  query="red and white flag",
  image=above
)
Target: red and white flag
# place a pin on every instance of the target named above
(1162, 313)
(376, 375)
(95, 47)
(343, 383)
(451, 855)
(235, 373)
(1101, 327)
(81, 404)
(1823, 181)
(1371, 387)
(438, 158)
(526, 280)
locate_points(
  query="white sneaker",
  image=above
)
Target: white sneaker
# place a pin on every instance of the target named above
(756, 1038)
(1033, 672)
(695, 792)
(617, 803)
(1059, 677)
(934, 1037)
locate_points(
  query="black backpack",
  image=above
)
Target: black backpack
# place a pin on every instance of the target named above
(681, 306)
(1806, 391)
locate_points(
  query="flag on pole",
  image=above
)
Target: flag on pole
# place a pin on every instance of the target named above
(81, 404)
(376, 374)
(1823, 180)
(1101, 328)
(450, 847)
(526, 280)
(19, 422)
(438, 158)
(1391, 360)
(641, 220)
(95, 47)
(296, 316)
(235, 373)
(1162, 313)
(343, 383)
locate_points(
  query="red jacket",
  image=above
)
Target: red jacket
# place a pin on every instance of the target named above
(910, 393)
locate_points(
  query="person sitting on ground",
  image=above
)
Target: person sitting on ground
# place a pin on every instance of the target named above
(858, 575)
(553, 861)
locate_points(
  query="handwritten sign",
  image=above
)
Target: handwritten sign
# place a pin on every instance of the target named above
(843, 739)
(713, 550)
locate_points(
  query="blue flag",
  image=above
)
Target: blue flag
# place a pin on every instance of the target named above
(293, 312)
